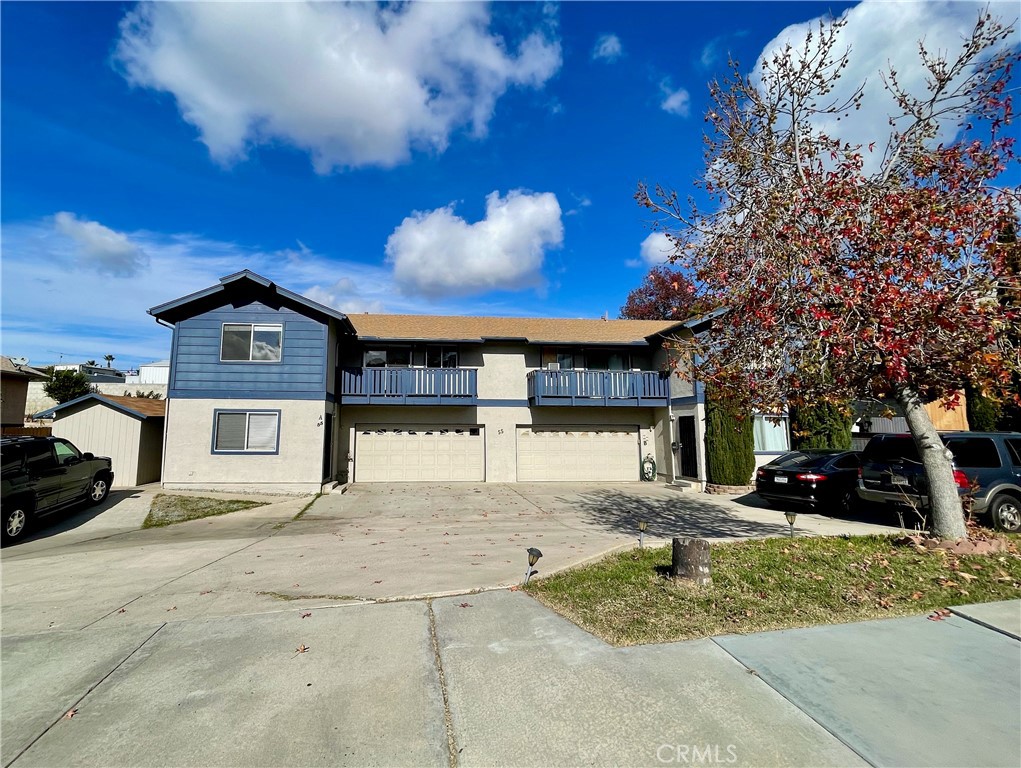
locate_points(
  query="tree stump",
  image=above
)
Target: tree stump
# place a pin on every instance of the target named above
(691, 561)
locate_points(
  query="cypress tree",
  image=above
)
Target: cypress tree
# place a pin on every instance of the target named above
(730, 443)
(820, 426)
(984, 414)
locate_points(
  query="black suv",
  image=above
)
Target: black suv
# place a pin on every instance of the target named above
(892, 473)
(43, 475)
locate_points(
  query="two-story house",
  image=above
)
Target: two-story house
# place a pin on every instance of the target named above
(269, 390)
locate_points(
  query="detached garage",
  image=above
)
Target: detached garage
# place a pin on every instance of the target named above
(127, 429)
(388, 453)
(578, 453)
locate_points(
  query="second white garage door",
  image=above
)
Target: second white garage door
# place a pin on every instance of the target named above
(395, 454)
(578, 453)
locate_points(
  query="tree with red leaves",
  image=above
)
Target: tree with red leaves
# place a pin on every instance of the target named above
(665, 294)
(851, 271)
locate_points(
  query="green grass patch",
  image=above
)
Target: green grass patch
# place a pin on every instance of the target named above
(168, 509)
(306, 507)
(628, 598)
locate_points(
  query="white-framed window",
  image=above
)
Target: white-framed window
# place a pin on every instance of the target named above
(771, 434)
(251, 342)
(246, 432)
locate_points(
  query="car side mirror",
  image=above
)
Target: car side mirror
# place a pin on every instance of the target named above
(88, 456)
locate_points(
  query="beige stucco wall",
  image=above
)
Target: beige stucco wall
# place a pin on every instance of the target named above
(13, 393)
(500, 425)
(104, 431)
(188, 462)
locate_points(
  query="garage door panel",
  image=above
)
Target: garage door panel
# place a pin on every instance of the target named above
(389, 453)
(578, 453)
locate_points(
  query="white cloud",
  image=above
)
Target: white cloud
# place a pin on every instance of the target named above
(675, 101)
(655, 250)
(352, 84)
(100, 248)
(437, 253)
(883, 35)
(607, 47)
(345, 296)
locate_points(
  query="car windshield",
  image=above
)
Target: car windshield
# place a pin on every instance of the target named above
(801, 459)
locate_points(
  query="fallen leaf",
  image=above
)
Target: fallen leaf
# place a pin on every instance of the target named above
(123, 610)
(174, 608)
(249, 573)
(378, 581)
(301, 649)
(306, 614)
(968, 576)
(71, 713)
(205, 591)
(464, 605)
(916, 595)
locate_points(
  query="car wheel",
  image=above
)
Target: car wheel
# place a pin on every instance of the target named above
(15, 521)
(1006, 513)
(99, 489)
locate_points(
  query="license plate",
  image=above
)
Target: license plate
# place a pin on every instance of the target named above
(898, 480)
(779, 479)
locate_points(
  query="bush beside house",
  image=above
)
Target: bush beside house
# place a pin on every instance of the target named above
(730, 445)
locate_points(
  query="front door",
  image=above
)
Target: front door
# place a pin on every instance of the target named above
(686, 446)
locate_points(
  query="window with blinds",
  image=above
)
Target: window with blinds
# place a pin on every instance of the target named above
(246, 431)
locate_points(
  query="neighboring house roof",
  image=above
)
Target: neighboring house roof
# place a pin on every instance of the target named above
(139, 407)
(9, 370)
(242, 285)
(533, 330)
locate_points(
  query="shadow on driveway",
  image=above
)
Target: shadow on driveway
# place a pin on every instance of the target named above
(69, 519)
(677, 515)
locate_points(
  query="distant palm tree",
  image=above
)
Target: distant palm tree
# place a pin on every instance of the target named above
(109, 359)
(90, 362)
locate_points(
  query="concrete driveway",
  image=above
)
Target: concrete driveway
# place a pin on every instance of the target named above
(374, 542)
(251, 639)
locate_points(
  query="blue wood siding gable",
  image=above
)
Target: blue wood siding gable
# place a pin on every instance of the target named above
(198, 372)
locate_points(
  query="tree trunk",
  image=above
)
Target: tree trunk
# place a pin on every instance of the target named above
(691, 561)
(944, 501)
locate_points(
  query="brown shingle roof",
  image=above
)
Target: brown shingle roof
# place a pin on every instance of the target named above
(532, 329)
(144, 406)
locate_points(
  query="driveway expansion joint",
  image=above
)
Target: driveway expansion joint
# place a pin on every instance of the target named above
(759, 676)
(448, 719)
(80, 699)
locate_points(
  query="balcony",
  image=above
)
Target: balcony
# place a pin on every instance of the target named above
(408, 386)
(647, 388)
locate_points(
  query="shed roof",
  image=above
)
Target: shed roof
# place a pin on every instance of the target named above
(139, 407)
(533, 330)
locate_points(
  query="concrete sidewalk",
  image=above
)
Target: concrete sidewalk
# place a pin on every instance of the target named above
(496, 679)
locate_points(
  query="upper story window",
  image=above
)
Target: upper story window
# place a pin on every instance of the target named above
(250, 342)
(607, 360)
(441, 357)
(390, 357)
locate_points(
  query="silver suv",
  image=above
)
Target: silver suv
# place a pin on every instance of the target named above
(989, 462)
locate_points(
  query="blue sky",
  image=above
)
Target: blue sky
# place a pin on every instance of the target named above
(445, 158)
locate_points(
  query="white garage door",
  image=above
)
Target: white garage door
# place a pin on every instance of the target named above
(387, 453)
(578, 453)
